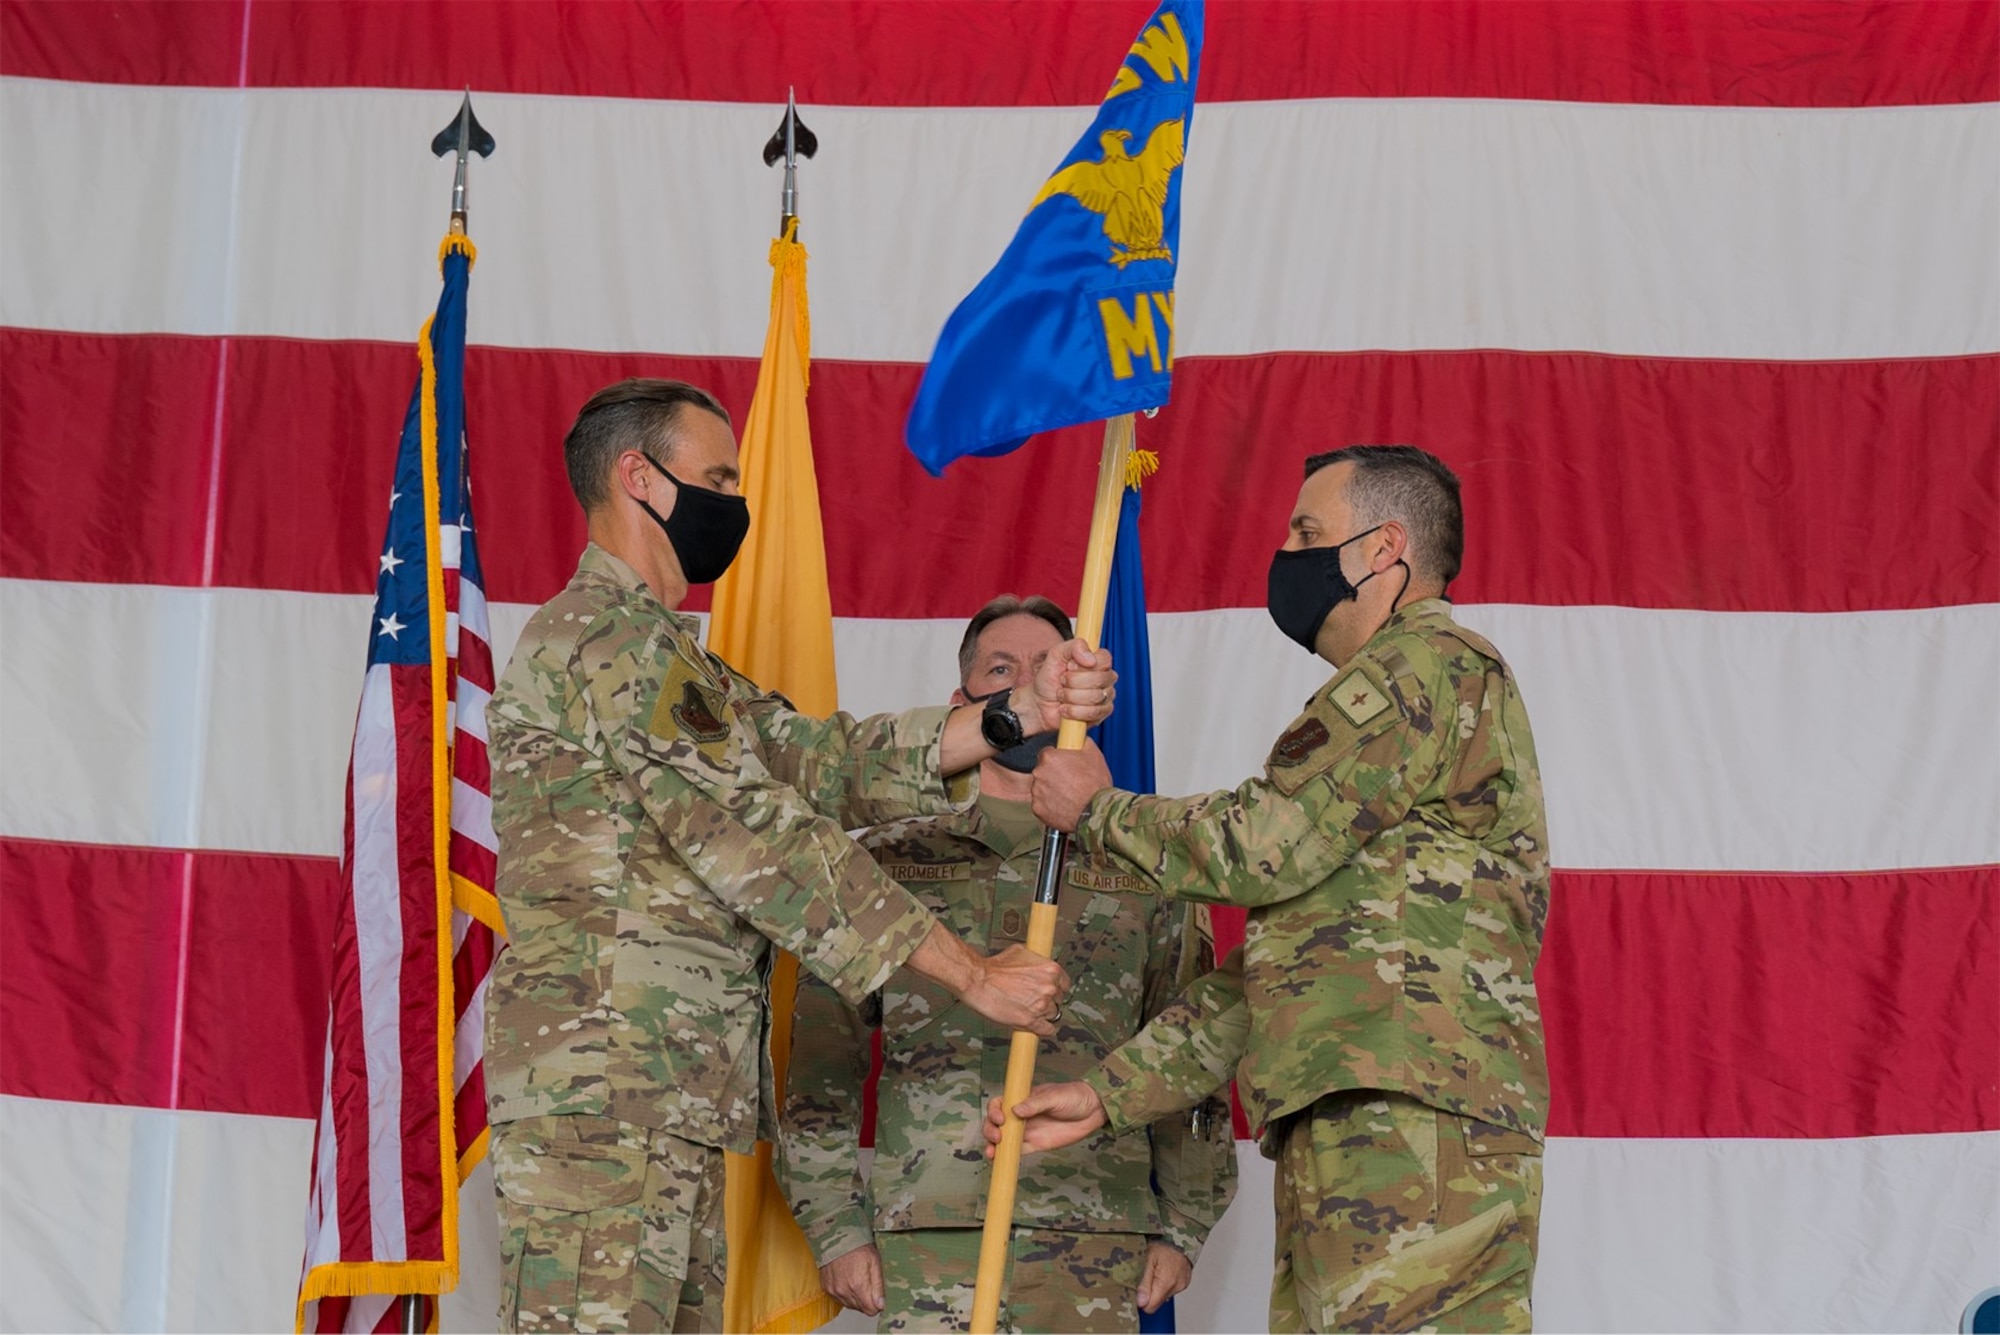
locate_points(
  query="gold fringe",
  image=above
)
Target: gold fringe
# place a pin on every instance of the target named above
(1140, 465)
(360, 1279)
(788, 260)
(457, 243)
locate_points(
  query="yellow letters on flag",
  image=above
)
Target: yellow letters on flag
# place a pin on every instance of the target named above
(772, 620)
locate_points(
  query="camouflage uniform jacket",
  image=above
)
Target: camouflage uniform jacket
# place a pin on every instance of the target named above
(1394, 861)
(1127, 950)
(659, 819)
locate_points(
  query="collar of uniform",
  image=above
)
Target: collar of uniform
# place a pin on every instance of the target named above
(1008, 835)
(599, 566)
(1423, 610)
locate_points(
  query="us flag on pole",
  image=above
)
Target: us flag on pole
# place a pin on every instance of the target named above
(403, 1116)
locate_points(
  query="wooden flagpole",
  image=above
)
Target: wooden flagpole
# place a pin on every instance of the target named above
(1006, 1173)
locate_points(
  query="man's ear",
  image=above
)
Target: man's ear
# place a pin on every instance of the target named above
(640, 480)
(1392, 544)
(959, 697)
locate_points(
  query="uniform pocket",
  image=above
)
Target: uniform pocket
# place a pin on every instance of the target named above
(569, 1192)
(571, 1164)
(1426, 1280)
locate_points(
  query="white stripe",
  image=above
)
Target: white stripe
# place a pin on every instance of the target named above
(472, 610)
(472, 815)
(323, 1205)
(1669, 739)
(1884, 1233)
(231, 1253)
(378, 918)
(469, 1036)
(1336, 225)
(470, 709)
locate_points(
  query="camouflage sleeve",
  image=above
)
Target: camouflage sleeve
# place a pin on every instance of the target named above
(819, 1127)
(751, 840)
(1187, 1053)
(1194, 1156)
(1331, 784)
(859, 772)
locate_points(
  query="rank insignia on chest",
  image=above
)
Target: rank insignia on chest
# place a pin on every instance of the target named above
(1356, 697)
(1295, 746)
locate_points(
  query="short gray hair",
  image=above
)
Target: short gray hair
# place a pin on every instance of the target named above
(1007, 605)
(1412, 487)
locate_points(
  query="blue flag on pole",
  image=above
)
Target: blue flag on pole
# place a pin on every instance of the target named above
(1126, 738)
(1076, 321)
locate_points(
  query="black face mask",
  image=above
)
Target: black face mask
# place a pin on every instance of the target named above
(1021, 756)
(705, 527)
(1304, 587)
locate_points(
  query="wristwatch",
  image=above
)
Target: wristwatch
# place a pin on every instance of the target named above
(999, 724)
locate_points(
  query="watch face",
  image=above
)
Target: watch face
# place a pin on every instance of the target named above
(999, 726)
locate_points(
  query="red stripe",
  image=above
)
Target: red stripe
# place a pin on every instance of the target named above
(1589, 479)
(969, 52)
(347, 1076)
(1743, 1005)
(475, 659)
(87, 994)
(416, 827)
(58, 502)
(1676, 1005)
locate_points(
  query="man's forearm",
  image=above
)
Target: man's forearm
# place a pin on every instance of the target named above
(946, 960)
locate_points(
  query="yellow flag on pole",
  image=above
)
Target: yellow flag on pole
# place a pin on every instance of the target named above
(772, 620)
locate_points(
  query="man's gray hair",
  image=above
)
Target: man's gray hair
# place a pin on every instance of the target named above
(1412, 487)
(637, 414)
(1006, 605)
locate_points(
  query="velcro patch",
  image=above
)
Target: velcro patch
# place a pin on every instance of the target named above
(1356, 697)
(1107, 880)
(1298, 744)
(928, 871)
(691, 710)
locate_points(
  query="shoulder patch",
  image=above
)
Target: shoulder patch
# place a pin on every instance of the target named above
(695, 715)
(1357, 698)
(1296, 746)
(691, 709)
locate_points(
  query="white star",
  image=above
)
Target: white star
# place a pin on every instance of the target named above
(395, 496)
(391, 626)
(390, 561)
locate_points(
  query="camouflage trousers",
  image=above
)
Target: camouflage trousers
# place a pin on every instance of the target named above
(607, 1226)
(1393, 1215)
(1056, 1280)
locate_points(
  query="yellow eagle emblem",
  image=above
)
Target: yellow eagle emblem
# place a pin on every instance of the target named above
(1131, 192)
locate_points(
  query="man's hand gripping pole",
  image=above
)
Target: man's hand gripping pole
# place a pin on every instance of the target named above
(1042, 916)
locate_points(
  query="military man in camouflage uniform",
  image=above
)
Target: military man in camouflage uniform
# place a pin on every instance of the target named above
(661, 822)
(1094, 1242)
(1380, 1018)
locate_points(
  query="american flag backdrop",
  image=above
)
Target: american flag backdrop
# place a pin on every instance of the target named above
(403, 1105)
(1702, 300)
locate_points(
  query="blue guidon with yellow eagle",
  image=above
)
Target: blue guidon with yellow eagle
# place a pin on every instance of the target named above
(1076, 321)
